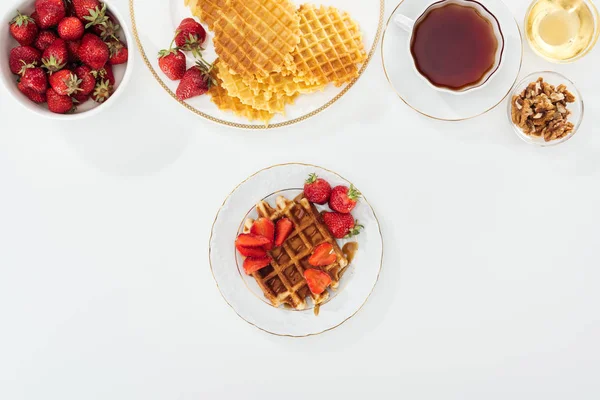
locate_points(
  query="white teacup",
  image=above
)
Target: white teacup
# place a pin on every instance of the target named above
(410, 25)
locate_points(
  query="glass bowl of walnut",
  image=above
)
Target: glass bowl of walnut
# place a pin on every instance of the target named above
(545, 109)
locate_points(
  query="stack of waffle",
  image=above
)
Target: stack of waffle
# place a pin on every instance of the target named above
(270, 52)
(283, 280)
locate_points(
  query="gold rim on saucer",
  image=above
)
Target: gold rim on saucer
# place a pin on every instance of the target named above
(219, 212)
(387, 76)
(257, 126)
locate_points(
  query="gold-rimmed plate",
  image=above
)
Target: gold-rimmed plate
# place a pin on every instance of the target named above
(415, 92)
(154, 24)
(242, 292)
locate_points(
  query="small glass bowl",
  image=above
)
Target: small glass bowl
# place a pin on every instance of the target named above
(555, 79)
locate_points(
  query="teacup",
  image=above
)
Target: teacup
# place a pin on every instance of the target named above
(450, 55)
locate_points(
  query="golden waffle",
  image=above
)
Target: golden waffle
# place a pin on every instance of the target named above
(281, 84)
(206, 10)
(331, 46)
(256, 37)
(283, 281)
(225, 102)
(261, 99)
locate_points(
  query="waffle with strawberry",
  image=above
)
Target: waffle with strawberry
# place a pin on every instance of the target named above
(302, 258)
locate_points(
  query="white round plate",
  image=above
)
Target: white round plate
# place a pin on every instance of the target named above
(419, 95)
(154, 24)
(242, 292)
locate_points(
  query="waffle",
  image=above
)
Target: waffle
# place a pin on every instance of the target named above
(260, 99)
(225, 102)
(283, 280)
(206, 10)
(331, 46)
(282, 83)
(256, 37)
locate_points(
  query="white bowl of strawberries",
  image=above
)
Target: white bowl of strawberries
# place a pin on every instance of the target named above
(65, 60)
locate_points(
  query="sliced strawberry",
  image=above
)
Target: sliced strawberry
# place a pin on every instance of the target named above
(282, 230)
(258, 252)
(264, 227)
(253, 264)
(251, 240)
(323, 255)
(317, 280)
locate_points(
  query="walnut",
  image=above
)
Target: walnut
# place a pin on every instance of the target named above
(541, 110)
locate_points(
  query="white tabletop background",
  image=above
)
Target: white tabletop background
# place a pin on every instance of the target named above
(489, 289)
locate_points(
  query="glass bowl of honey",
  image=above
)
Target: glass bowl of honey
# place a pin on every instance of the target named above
(562, 31)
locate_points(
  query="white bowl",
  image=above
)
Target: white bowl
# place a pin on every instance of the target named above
(9, 80)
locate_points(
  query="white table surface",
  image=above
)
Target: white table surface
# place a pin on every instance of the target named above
(490, 284)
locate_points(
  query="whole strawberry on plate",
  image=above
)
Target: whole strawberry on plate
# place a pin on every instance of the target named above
(343, 198)
(341, 225)
(195, 82)
(317, 190)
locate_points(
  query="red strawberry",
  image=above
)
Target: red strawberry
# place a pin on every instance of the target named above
(341, 225)
(102, 91)
(23, 29)
(317, 190)
(118, 52)
(251, 264)
(34, 78)
(35, 17)
(190, 35)
(73, 48)
(93, 51)
(282, 231)
(92, 12)
(65, 82)
(58, 104)
(343, 199)
(44, 40)
(317, 280)
(32, 95)
(23, 55)
(323, 255)
(265, 228)
(55, 57)
(195, 82)
(108, 29)
(258, 252)
(50, 12)
(70, 28)
(80, 98)
(173, 63)
(105, 73)
(251, 240)
(88, 82)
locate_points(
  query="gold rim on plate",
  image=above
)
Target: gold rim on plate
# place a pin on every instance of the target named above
(387, 25)
(217, 217)
(257, 126)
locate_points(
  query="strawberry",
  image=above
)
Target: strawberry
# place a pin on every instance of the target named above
(50, 12)
(251, 240)
(70, 28)
(55, 57)
(172, 62)
(102, 91)
(343, 199)
(190, 36)
(44, 40)
(93, 51)
(108, 29)
(323, 255)
(91, 12)
(317, 280)
(341, 225)
(35, 17)
(282, 231)
(23, 29)
(58, 104)
(65, 82)
(258, 252)
(79, 98)
(73, 48)
(23, 55)
(105, 73)
(34, 78)
(118, 53)
(265, 228)
(88, 82)
(195, 82)
(252, 264)
(32, 95)
(316, 189)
